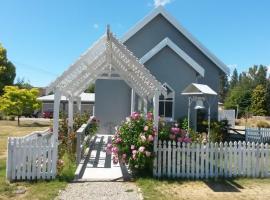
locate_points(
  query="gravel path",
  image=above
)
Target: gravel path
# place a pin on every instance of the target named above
(101, 191)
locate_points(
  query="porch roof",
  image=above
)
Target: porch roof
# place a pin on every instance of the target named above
(198, 89)
(108, 58)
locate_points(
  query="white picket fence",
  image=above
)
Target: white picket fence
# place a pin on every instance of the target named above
(260, 135)
(31, 157)
(199, 161)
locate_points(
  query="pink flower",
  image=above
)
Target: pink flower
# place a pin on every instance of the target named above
(150, 138)
(124, 156)
(143, 138)
(175, 130)
(135, 116)
(109, 145)
(134, 152)
(115, 150)
(147, 153)
(134, 156)
(146, 128)
(180, 139)
(115, 160)
(118, 140)
(132, 147)
(141, 149)
(149, 116)
(187, 140)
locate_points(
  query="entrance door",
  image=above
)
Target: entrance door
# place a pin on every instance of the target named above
(112, 103)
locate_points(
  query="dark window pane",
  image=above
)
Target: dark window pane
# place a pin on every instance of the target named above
(168, 109)
(161, 97)
(161, 109)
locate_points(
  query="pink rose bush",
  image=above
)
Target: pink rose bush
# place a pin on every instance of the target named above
(133, 141)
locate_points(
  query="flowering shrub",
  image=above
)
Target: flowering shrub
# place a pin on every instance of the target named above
(133, 141)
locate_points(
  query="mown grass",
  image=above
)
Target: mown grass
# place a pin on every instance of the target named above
(242, 188)
(43, 190)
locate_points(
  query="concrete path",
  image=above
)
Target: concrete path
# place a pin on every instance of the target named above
(99, 178)
(98, 165)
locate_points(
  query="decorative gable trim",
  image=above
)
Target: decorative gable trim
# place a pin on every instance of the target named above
(167, 42)
(175, 23)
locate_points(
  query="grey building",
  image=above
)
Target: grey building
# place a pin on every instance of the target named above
(174, 57)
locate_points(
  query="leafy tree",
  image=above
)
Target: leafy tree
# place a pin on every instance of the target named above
(234, 79)
(91, 88)
(16, 101)
(258, 101)
(224, 87)
(7, 70)
(21, 83)
(239, 97)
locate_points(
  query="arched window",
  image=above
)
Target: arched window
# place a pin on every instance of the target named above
(166, 105)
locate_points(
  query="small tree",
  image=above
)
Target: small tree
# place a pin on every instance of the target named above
(258, 101)
(17, 101)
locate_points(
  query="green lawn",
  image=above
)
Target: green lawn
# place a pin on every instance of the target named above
(246, 189)
(34, 190)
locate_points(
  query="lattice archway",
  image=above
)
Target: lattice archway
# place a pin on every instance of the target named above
(108, 58)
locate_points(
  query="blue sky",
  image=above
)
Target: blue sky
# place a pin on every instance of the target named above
(43, 37)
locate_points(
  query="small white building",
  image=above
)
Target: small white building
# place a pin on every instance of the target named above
(87, 103)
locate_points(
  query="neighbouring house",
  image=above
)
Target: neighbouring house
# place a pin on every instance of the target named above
(156, 53)
(174, 57)
(87, 103)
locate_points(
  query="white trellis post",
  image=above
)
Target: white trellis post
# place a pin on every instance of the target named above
(79, 105)
(145, 105)
(132, 104)
(70, 114)
(57, 99)
(155, 115)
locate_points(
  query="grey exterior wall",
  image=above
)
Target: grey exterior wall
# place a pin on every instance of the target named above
(113, 97)
(112, 103)
(158, 29)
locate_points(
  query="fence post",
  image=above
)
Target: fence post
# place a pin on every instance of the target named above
(78, 148)
(9, 159)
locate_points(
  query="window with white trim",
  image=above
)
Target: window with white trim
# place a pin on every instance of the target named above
(166, 105)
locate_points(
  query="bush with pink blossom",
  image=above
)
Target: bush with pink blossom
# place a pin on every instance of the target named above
(133, 141)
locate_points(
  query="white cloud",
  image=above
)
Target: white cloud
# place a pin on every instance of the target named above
(161, 2)
(95, 26)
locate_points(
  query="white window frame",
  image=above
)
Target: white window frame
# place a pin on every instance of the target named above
(165, 100)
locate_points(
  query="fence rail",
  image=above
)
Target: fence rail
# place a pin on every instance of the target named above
(212, 160)
(31, 157)
(260, 135)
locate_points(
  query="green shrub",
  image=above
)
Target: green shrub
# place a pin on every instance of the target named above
(133, 141)
(219, 131)
(66, 167)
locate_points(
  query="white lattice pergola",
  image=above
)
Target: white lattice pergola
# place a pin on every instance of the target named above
(108, 58)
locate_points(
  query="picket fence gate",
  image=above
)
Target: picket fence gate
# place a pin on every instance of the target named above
(31, 157)
(260, 135)
(211, 160)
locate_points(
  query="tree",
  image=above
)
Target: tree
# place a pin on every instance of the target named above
(7, 70)
(21, 83)
(16, 101)
(91, 88)
(224, 87)
(258, 101)
(234, 79)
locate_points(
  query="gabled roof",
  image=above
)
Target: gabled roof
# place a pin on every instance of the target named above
(160, 10)
(198, 89)
(108, 58)
(85, 97)
(167, 42)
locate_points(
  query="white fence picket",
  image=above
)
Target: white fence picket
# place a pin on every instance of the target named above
(198, 161)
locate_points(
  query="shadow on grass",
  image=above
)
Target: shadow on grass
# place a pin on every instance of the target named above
(34, 124)
(223, 185)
